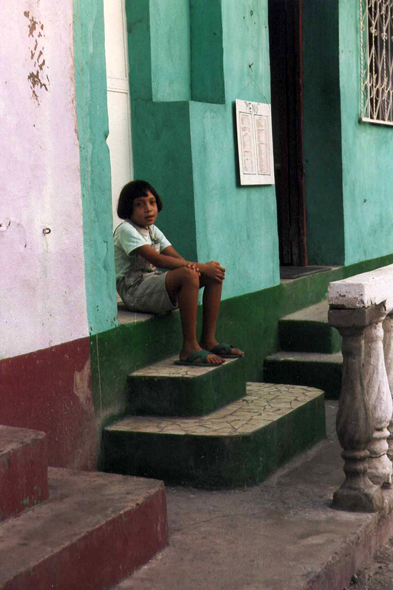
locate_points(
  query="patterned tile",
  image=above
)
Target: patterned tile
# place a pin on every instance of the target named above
(167, 368)
(246, 415)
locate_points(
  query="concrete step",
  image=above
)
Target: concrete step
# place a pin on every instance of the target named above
(23, 470)
(237, 445)
(279, 535)
(308, 330)
(125, 316)
(166, 389)
(306, 368)
(93, 531)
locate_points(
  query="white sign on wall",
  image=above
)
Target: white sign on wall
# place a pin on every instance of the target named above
(255, 142)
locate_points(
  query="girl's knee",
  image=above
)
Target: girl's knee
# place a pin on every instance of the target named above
(189, 276)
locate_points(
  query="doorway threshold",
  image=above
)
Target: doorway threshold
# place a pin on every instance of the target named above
(296, 272)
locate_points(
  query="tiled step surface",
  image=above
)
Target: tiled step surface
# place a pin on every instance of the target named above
(125, 316)
(93, 531)
(308, 330)
(23, 470)
(301, 368)
(167, 389)
(237, 445)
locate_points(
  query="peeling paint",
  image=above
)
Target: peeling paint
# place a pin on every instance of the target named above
(44, 272)
(13, 234)
(38, 78)
(82, 387)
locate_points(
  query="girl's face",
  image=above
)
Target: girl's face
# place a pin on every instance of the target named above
(145, 210)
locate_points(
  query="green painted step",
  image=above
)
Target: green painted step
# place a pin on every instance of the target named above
(237, 445)
(319, 370)
(308, 330)
(167, 389)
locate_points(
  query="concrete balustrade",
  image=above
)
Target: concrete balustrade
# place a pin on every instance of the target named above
(361, 308)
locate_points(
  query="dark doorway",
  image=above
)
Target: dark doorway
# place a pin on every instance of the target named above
(285, 31)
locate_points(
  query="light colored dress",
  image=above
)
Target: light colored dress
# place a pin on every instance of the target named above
(139, 283)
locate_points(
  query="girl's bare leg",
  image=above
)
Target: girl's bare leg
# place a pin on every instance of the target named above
(211, 308)
(183, 284)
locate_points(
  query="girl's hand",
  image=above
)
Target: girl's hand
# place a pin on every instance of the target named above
(193, 266)
(213, 270)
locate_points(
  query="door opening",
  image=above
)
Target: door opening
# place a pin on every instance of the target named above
(285, 32)
(118, 95)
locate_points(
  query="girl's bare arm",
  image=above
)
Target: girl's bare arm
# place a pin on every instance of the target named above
(170, 251)
(171, 260)
(167, 260)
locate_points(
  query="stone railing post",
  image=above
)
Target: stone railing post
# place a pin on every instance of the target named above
(378, 398)
(359, 307)
(388, 352)
(354, 421)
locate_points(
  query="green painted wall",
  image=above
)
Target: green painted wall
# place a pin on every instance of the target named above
(184, 143)
(170, 42)
(167, 164)
(349, 176)
(161, 130)
(322, 133)
(207, 52)
(366, 154)
(94, 164)
(186, 149)
(249, 321)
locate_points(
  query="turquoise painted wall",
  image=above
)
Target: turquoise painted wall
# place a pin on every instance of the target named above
(91, 102)
(366, 155)
(322, 133)
(186, 148)
(189, 60)
(349, 176)
(161, 129)
(235, 225)
(170, 44)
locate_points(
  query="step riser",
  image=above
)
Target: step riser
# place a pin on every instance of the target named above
(296, 336)
(105, 554)
(324, 376)
(23, 470)
(212, 461)
(182, 396)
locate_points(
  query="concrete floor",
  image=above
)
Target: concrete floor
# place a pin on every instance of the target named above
(279, 535)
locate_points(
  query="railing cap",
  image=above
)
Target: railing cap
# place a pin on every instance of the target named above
(363, 290)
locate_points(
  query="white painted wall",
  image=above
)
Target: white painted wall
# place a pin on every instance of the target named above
(42, 287)
(119, 139)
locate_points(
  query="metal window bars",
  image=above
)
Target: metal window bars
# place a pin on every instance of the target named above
(376, 61)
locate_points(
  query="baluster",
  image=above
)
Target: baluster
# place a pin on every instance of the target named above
(379, 400)
(354, 428)
(388, 352)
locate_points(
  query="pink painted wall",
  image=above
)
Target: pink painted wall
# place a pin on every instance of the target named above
(45, 378)
(43, 300)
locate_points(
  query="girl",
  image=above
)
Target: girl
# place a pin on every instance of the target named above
(141, 248)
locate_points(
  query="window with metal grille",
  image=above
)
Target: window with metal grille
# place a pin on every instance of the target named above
(376, 68)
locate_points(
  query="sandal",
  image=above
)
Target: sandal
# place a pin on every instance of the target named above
(224, 351)
(200, 354)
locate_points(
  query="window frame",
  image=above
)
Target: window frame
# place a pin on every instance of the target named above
(376, 61)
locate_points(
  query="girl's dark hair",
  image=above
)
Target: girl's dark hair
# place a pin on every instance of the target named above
(131, 191)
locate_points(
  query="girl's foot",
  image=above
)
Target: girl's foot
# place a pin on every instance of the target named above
(203, 359)
(222, 349)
